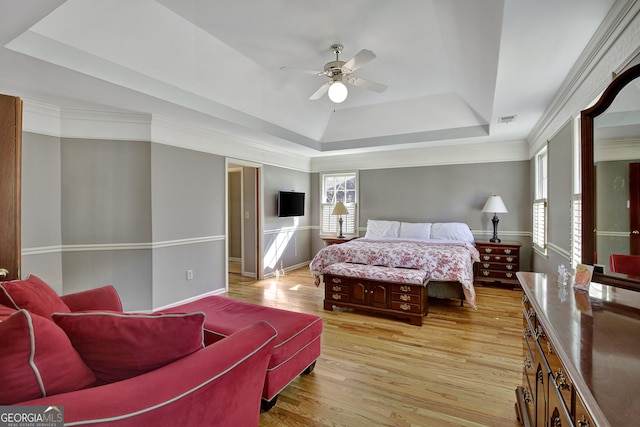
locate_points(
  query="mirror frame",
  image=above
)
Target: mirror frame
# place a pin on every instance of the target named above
(587, 118)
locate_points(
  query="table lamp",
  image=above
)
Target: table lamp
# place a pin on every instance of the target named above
(496, 205)
(340, 209)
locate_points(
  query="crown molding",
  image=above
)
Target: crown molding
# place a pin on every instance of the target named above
(486, 152)
(613, 45)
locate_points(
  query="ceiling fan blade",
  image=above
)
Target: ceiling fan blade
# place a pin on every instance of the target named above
(318, 94)
(359, 60)
(367, 84)
(301, 70)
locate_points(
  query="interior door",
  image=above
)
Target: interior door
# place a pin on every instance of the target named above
(634, 208)
(10, 184)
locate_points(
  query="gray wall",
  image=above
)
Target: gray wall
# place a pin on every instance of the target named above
(560, 169)
(287, 241)
(105, 212)
(452, 193)
(133, 214)
(188, 223)
(41, 198)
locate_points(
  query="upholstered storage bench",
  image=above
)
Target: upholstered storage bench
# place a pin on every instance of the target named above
(296, 347)
(399, 292)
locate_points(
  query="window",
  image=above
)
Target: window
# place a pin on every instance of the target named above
(338, 187)
(540, 203)
(576, 199)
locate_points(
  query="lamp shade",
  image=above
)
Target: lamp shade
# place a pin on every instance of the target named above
(495, 204)
(340, 209)
(338, 92)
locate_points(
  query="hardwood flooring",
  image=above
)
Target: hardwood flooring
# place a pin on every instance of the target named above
(459, 369)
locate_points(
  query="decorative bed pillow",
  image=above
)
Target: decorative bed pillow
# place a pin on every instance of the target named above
(37, 360)
(31, 294)
(378, 229)
(117, 346)
(415, 230)
(451, 231)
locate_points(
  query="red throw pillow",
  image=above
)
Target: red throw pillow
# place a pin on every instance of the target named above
(37, 360)
(31, 294)
(117, 346)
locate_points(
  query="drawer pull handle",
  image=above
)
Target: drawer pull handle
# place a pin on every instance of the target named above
(486, 257)
(526, 363)
(488, 250)
(485, 273)
(583, 422)
(405, 297)
(336, 280)
(509, 267)
(337, 288)
(498, 258)
(507, 251)
(405, 288)
(509, 275)
(336, 296)
(486, 265)
(405, 307)
(561, 381)
(510, 259)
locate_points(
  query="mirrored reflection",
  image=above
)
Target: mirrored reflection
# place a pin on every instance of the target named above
(617, 176)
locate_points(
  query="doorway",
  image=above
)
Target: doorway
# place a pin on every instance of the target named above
(244, 218)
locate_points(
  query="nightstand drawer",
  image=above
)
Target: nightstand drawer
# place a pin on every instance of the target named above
(494, 274)
(498, 258)
(498, 266)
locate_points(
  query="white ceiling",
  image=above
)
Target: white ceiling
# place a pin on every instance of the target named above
(452, 67)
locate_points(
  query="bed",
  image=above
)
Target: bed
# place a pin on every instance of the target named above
(445, 251)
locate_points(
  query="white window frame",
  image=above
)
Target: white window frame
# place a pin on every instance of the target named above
(540, 201)
(328, 222)
(576, 199)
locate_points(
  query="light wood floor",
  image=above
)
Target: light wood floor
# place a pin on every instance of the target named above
(459, 369)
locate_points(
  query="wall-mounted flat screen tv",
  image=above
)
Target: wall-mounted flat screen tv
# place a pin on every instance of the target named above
(290, 203)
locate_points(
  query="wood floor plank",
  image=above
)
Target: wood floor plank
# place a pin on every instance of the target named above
(460, 368)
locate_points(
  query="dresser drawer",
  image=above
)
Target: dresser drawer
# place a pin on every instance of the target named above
(405, 306)
(412, 298)
(406, 289)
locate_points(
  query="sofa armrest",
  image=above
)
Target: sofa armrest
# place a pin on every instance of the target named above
(103, 298)
(218, 385)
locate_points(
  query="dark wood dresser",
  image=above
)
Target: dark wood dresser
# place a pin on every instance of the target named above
(499, 262)
(581, 355)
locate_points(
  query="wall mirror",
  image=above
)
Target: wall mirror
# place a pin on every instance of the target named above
(610, 157)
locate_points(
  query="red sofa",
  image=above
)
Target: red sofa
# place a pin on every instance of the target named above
(48, 351)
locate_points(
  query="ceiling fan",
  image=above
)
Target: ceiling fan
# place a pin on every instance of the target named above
(340, 72)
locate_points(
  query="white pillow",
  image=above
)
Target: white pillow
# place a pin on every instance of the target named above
(451, 231)
(378, 229)
(415, 230)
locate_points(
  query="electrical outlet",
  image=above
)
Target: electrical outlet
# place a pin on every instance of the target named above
(189, 274)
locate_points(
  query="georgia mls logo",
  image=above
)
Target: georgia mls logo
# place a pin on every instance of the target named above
(31, 416)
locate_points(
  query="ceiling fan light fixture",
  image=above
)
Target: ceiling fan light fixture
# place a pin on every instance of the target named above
(338, 92)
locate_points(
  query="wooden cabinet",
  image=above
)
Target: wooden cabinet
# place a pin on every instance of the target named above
(499, 262)
(547, 396)
(580, 354)
(10, 186)
(400, 300)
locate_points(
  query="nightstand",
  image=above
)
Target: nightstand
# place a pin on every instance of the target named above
(499, 262)
(334, 240)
